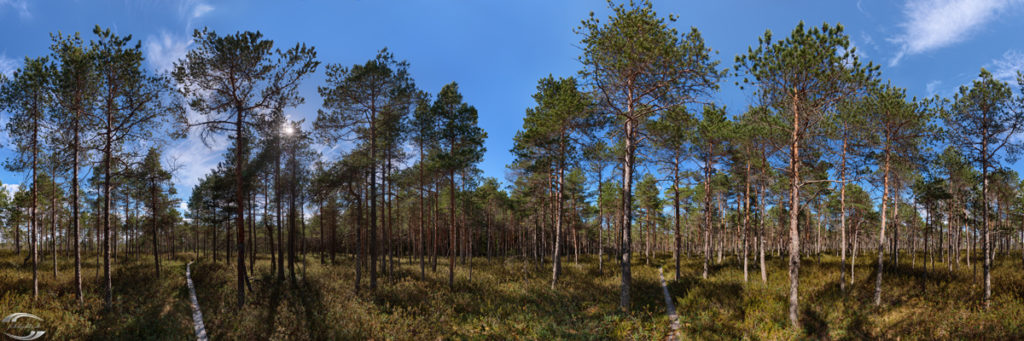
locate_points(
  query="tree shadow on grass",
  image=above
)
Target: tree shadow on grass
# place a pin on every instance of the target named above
(268, 287)
(214, 286)
(813, 324)
(681, 287)
(145, 307)
(311, 301)
(857, 326)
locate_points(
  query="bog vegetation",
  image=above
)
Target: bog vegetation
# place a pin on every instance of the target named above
(833, 206)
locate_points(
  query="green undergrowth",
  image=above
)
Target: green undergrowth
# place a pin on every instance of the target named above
(916, 304)
(506, 299)
(512, 299)
(144, 307)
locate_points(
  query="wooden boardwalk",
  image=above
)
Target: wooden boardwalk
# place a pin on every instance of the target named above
(670, 308)
(197, 315)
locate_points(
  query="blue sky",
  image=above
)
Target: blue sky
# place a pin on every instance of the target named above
(497, 50)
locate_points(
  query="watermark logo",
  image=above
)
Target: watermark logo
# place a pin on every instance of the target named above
(19, 323)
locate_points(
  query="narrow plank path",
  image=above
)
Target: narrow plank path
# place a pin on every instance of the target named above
(670, 308)
(197, 315)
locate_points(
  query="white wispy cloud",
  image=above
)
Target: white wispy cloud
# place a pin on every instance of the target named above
(860, 8)
(166, 48)
(194, 159)
(1006, 67)
(200, 10)
(935, 24)
(8, 65)
(932, 87)
(868, 41)
(190, 10)
(163, 50)
(21, 6)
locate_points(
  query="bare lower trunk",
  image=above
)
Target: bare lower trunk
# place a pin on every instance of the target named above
(292, 217)
(451, 237)
(853, 254)
(881, 231)
(760, 238)
(359, 238)
(746, 221)
(707, 212)
(35, 225)
(842, 218)
(794, 234)
(675, 205)
(279, 217)
(600, 226)
(53, 220)
(627, 213)
(372, 203)
(74, 214)
(240, 209)
(422, 247)
(557, 266)
(986, 246)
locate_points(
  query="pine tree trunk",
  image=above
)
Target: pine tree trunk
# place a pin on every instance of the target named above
(252, 233)
(35, 225)
(266, 224)
(359, 236)
(451, 230)
(675, 206)
(373, 202)
(794, 234)
(762, 226)
(53, 217)
(320, 212)
(986, 246)
(292, 216)
(279, 217)
(74, 210)
(853, 253)
(881, 229)
(842, 213)
(153, 226)
(422, 246)
(240, 210)
(627, 210)
(707, 211)
(746, 221)
(434, 215)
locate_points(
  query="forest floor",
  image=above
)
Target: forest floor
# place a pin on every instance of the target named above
(512, 299)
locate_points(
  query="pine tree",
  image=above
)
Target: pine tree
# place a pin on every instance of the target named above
(233, 82)
(638, 67)
(982, 122)
(901, 126)
(153, 176)
(669, 135)
(358, 100)
(27, 97)
(130, 108)
(552, 131)
(461, 145)
(713, 130)
(801, 79)
(75, 89)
